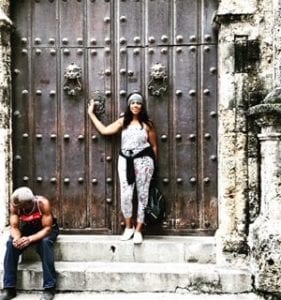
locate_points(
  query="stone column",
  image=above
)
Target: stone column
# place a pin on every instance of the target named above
(5, 123)
(265, 233)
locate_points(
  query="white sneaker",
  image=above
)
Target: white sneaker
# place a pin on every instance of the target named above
(137, 238)
(127, 234)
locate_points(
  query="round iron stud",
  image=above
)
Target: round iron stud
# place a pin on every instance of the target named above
(25, 178)
(192, 38)
(179, 180)
(79, 41)
(206, 179)
(164, 38)
(178, 92)
(123, 19)
(192, 180)
(123, 41)
(192, 48)
(136, 51)
(207, 136)
(192, 92)
(53, 180)
(65, 41)
(179, 38)
(37, 41)
(165, 180)
(137, 39)
(52, 41)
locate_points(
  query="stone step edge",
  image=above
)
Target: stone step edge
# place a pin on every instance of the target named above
(140, 277)
(110, 248)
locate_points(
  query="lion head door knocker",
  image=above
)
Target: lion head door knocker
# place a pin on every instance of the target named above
(99, 100)
(158, 82)
(72, 80)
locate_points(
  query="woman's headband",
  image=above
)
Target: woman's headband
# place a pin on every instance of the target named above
(135, 97)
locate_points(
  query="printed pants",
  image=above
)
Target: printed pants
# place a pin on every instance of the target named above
(144, 168)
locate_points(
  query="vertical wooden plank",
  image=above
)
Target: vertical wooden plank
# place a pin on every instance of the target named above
(158, 22)
(186, 29)
(71, 23)
(44, 24)
(159, 111)
(130, 23)
(185, 136)
(209, 32)
(44, 95)
(22, 113)
(135, 69)
(99, 23)
(209, 137)
(72, 113)
(100, 148)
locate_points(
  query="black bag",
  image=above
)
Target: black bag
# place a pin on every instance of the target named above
(155, 209)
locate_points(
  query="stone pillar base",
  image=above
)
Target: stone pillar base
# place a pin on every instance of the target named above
(265, 246)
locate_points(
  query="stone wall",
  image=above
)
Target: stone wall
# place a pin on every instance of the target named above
(245, 77)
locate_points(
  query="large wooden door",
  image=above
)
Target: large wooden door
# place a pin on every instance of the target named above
(115, 47)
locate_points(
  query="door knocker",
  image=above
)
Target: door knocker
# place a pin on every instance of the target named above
(72, 82)
(158, 82)
(99, 100)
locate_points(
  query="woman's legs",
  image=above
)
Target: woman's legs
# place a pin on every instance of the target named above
(144, 168)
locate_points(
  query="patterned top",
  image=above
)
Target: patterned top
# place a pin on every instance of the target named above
(134, 138)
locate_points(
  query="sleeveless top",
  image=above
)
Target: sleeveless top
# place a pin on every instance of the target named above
(32, 220)
(134, 138)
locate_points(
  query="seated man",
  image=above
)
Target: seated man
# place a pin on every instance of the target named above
(32, 223)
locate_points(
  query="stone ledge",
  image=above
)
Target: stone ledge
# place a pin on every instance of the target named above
(139, 277)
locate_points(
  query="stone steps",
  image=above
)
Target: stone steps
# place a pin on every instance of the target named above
(139, 277)
(162, 264)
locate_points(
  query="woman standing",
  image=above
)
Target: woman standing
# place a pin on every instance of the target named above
(136, 161)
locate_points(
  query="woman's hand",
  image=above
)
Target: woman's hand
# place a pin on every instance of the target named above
(91, 107)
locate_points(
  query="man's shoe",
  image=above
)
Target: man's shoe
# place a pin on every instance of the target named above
(127, 234)
(48, 294)
(8, 293)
